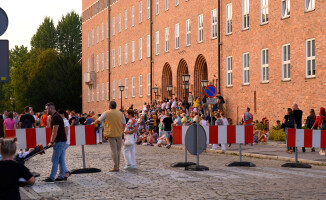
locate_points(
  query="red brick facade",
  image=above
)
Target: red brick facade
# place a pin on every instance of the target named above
(200, 59)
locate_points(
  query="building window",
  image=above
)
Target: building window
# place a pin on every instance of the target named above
(166, 40)
(229, 18)
(200, 28)
(285, 8)
(140, 12)
(176, 2)
(264, 11)
(102, 63)
(88, 39)
(148, 84)
(93, 94)
(245, 14)
(140, 86)
(214, 24)
(113, 89)
(310, 58)
(119, 56)
(132, 15)
(113, 57)
(107, 59)
(102, 91)
(126, 88)
(97, 63)
(133, 87)
(102, 32)
(119, 84)
(133, 51)
(126, 53)
(126, 19)
(157, 43)
(92, 36)
(148, 46)
(107, 29)
(119, 22)
(264, 66)
(92, 62)
(97, 92)
(309, 5)
(113, 26)
(188, 30)
(229, 71)
(245, 69)
(88, 95)
(286, 62)
(140, 48)
(157, 7)
(176, 36)
(148, 9)
(166, 5)
(97, 34)
(87, 64)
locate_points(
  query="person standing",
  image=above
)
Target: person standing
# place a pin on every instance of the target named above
(310, 122)
(129, 150)
(64, 116)
(100, 131)
(167, 121)
(9, 123)
(318, 123)
(27, 120)
(297, 114)
(113, 129)
(247, 117)
(58, 141)
(289, 122)
(220, 102)
(44, 119)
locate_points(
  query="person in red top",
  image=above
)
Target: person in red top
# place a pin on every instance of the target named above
(319, 119)
(247, 117)
(44, 119)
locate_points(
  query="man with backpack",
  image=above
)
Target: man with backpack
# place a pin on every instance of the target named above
(321, 123)
(297, 114)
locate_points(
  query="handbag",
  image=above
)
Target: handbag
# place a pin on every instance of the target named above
(129, 139)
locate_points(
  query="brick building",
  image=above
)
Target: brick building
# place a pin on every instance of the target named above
(268, 61)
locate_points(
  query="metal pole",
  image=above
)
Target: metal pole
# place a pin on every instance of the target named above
(185, 115)
(83, 152)
(240, 153)
(296, 155)
(121, 99)
(212, 123)
(197, 125)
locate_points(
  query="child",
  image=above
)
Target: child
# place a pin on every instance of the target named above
(264, 136)
(11, 171)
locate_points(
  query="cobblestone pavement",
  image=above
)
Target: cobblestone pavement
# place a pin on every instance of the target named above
(155, 179)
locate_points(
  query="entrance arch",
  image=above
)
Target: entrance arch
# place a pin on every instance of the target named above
(200, 73)
(182, 69)
(166, 79)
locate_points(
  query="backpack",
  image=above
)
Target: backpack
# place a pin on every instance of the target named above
(290, 122)
(323, 123)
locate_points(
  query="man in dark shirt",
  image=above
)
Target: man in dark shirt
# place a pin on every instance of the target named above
(82, 119)
(27, 120)
(58, 139)
(297, 114)
(167, 128)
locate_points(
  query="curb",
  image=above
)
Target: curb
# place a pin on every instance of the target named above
(261, 156)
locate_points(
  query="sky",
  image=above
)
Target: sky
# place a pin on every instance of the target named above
(25, 16)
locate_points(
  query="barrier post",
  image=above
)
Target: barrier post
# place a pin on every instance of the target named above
(83, 152)
(240, 152)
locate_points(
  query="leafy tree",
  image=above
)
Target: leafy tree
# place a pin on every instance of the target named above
(45, 36)
(69, 35)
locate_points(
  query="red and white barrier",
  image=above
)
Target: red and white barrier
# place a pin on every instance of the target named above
(218, 134)
(29, 138)
(306, 138)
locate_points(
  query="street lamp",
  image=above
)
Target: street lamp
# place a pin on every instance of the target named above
(121, 89)
(204, 83)
(186, 78)
(155, 90)
(169, 88)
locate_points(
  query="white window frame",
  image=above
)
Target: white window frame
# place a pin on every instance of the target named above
(88, 39)
(126, 19)
(92, 94)
(88, 95)
(285, 9)
(166, 40)
(113, 89)
(119, 92)
(228, 19)
(176, 36)
(310, 59)
(97, 63)
(264, 65)
(113, 58)
(107, 90)
(92, 37)
(245, 69)
(166, 5)
(263, 9)
(214, 24)
(102, 91)
(140, 48)
(140, 12)
(188, 32)
(140, 86)
(148, 46)
(113, 26)
(157, 7)
(132, 16)
(119, 56)
(97, 34)
(148, 84)
(97, 92)
(176, 2)
(126, 53)
(132, 51)
(126, 88)
(229, 66)
(102, 31)
(148, 9)
(102, 63)
(200, 28)
(245, 14)
(157, 43)
(286, 62)
(119, 23)
(133, 87)
(309, 5)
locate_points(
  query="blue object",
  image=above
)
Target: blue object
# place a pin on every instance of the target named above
(210, 91)
(3, 21)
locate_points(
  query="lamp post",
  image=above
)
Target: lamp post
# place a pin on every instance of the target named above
(155, 90)
(204, 83)
(169, 88)
(121, 89)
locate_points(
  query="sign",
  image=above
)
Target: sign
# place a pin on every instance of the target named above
(196, 139)
(211, 100)
(3, 21)
(4, 60)
(210, 91)
(190, 99)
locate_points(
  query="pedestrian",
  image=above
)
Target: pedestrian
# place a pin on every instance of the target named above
(58, 141)
(203, 122)
(288, 122)
(310, 122)
(9, 123)
(130, 138)
(297, 114)
(319, 123)
(100, 131)
(218, 122)
(72, 119)
(167, 121)
(27, 120)
(113, 129)
(44, 119)
(220, 102)
(247, 117)
(12, 171)
(64, 116)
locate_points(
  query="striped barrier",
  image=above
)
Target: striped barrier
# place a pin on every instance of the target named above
(306, 138)
(218, 134)
(31, 137)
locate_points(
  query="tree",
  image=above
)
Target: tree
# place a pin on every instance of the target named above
(45, 36)
(69, 35)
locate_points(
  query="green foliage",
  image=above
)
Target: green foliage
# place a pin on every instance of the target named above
(260, 126)
(45, 36)
(277, 127)
(277, 135)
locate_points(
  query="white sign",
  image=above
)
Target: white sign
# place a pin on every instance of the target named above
(212, 100)
(190, 99)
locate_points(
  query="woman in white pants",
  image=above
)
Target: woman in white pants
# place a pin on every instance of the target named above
(129, 150)
(100, 131)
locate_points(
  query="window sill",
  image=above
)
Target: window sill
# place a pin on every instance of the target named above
(214, 38)
(227, 34)
(264, 82)
(263, 24)
(310, 77)
(200, 41)
(188, 45)
(245, 29)
(286, 80)
(308, 11)
(229, 86)
(286, 17)
(176, 48)
(140, 96)
(246, 84)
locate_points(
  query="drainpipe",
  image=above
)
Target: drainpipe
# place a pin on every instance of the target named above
(109, 48)
(219, 45)
(151, 39)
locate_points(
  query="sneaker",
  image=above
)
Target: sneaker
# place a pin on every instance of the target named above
(61, 179)
(133, 166)
(48, 180)
(128, 167)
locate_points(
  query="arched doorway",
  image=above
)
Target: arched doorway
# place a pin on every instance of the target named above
(182, 69)
(200, 73)
(166, 79)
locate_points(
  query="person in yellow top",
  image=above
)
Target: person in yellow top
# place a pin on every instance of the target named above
(155, 119)
(196, 104)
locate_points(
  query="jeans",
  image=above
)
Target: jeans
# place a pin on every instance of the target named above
(58, 158)
(63, 157)
(99, 134)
